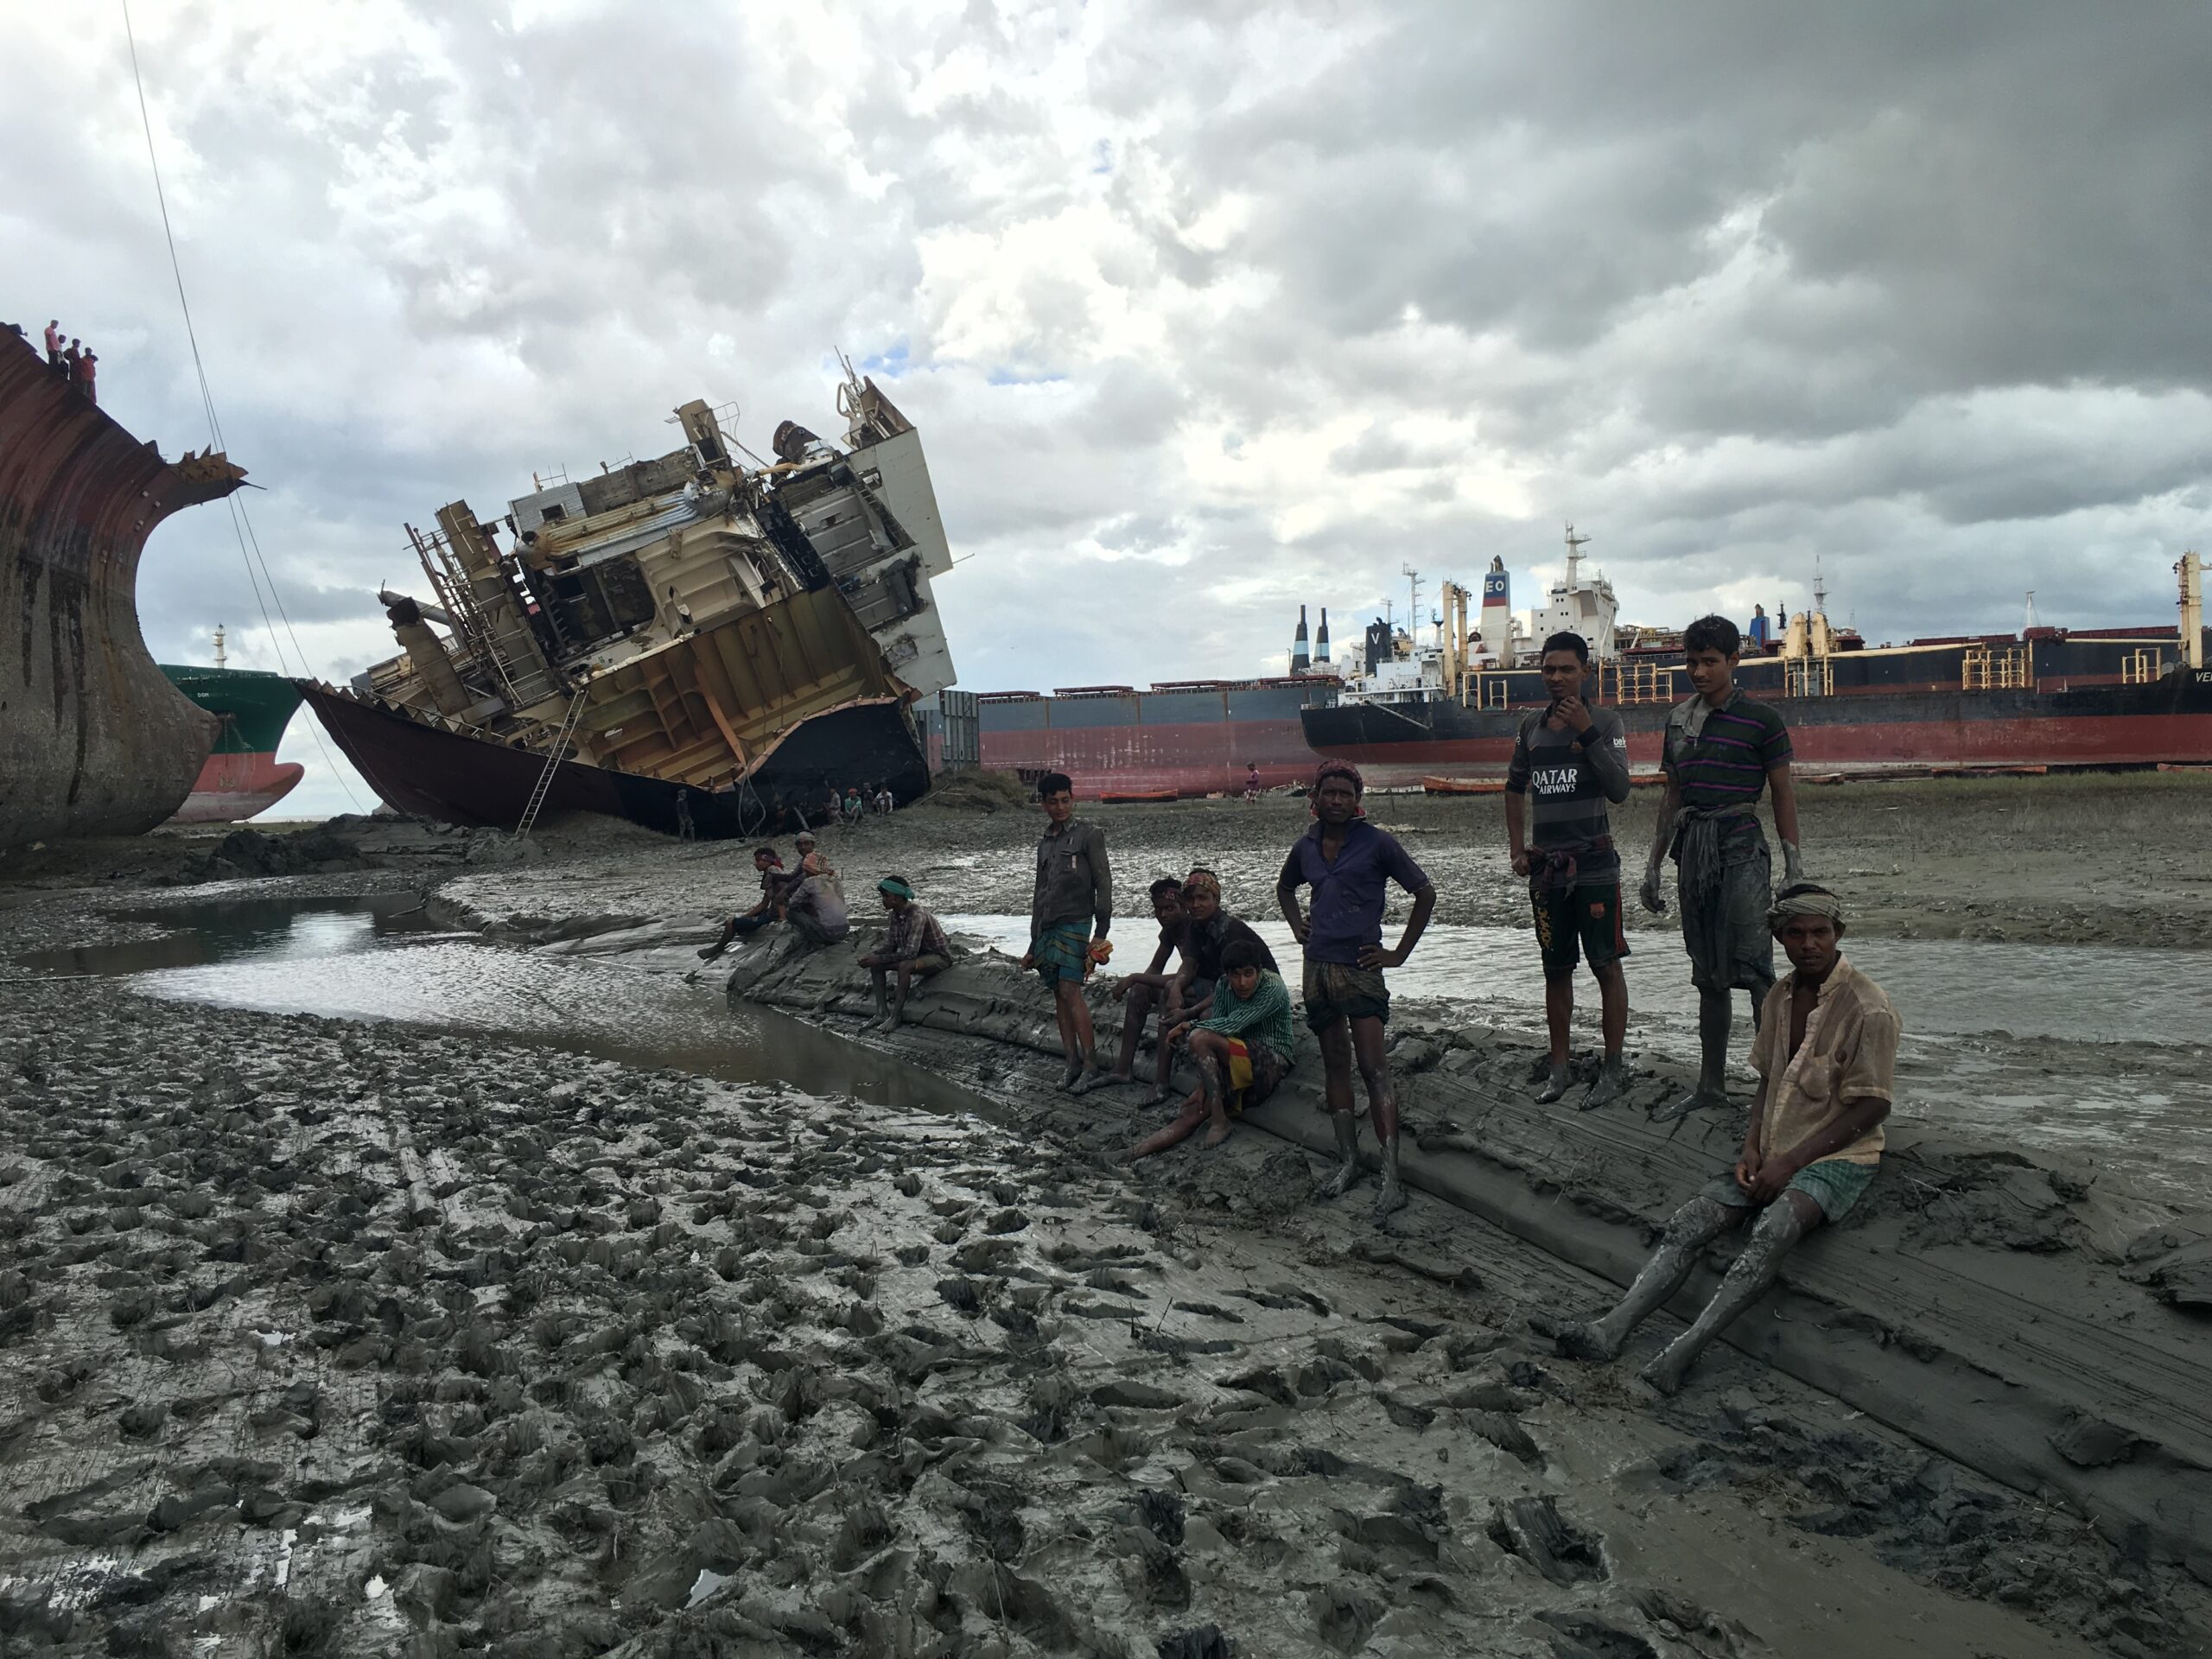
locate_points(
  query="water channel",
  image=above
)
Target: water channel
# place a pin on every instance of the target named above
(2096, 1051)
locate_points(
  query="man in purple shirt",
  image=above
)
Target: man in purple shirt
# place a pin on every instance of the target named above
(1349, 863)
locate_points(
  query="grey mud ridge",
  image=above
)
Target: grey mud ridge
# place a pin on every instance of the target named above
(328, 1337)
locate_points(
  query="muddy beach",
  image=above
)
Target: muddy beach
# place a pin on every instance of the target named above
(392, 1335)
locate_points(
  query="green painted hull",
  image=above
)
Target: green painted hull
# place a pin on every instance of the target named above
(254, 707)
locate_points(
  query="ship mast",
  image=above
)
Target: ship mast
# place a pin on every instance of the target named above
(1574, 546)
(1412, 608)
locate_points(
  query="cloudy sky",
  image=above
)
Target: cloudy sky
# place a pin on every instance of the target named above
(1205, 308)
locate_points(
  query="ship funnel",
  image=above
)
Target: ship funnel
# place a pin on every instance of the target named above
(1299, 660)
(1321, 638)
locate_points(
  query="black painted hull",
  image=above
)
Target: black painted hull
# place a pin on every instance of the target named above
(454, 778)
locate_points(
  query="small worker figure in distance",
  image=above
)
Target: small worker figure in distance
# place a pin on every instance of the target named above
(1243, 1050)
(53, 345)
(1757, 634)
(683, 829)
(914, 947)
(1827, 1057)
(70, 354)
(1251, 782)
(87, 370)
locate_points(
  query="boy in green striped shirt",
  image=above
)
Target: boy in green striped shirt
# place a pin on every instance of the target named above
(1242, 1052)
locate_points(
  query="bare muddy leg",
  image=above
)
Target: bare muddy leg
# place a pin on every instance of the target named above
(1390, 1198)
(1612, 1078)
(1193, 1114)
(1136, 1008)
(1713, 1016)
(1778, 1231)
(1693, 1227)
(1347, 1171)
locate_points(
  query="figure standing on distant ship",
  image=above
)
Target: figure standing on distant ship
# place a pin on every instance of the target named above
(1349, 864)
(1572, 759)
(1070, 914)
(683, 829)
(1827, 1057)
(1757, 633)
(1721, 751)
(54, 346)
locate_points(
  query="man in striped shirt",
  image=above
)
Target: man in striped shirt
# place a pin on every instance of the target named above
(1722, 750)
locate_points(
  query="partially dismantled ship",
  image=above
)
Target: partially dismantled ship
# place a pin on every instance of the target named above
(93, 740)
(685, 637)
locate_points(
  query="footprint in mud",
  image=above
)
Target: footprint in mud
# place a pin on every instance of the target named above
(1585, 1636)
(1533, 1529)
(1343, 1617)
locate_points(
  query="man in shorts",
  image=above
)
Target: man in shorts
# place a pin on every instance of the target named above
(1826, 1057)
(1722, 749)
(770, 864)
(1070, 913)
(1570, 759)
(914, 947)
(1143, 991)
(1349, 864)
(1242, 1050)
(1207, 930)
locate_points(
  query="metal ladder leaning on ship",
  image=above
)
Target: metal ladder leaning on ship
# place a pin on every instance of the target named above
(552, 763)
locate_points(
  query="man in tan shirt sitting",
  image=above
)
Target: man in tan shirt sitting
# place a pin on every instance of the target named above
(1826, 1057)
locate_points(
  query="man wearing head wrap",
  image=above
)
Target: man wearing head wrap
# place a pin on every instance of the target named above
(1826, 1058)
(914, 947)
(1349, 864)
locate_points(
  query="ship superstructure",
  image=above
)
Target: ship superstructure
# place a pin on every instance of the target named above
(745, 636)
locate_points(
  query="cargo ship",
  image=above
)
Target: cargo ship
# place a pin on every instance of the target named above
(687, 640)
(242, 776)
(1448, 702)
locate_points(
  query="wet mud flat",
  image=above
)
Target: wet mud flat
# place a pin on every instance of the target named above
(2092, 859)
(330, 1338)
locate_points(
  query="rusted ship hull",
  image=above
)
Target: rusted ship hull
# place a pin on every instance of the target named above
(421, 767)
(93, 740)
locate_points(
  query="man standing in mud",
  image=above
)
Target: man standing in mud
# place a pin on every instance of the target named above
(1572, 759)
(1349, 864)
(1826, 1057)
(1070, 913)
(1721, 751)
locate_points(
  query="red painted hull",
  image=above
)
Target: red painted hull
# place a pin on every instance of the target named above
(1191, 759)
(233, 787)
(2168, 721)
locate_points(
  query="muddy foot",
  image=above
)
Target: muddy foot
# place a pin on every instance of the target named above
(1215, 1135)
(1613, 1079)
(1067, 1078)
(1342, 1182)
(1085, 1082)
(1554, 1087)
(1577, 1339)
(1696, 1100)
(1664, 1370)
(1388, 1202)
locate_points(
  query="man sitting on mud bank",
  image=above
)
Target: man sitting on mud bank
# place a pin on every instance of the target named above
(1206, 931)
(1572, 759)
(1720, 750)
(1349, 863)
(770, 863)
(1070, 913)
(1140, 992)
(812, 902)
(914, 947)
(1242, 1052)
(1827, 1057)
